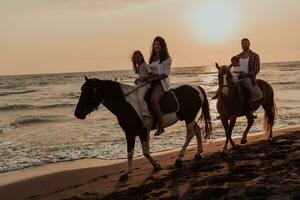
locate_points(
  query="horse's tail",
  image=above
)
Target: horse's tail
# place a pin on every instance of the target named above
(270, 111)
(205, 115)
(270, 114)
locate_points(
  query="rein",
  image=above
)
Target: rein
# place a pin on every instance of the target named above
(134, 89)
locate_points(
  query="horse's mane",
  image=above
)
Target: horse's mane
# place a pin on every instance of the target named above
(107, 81)
(126, 88)
(122, 87)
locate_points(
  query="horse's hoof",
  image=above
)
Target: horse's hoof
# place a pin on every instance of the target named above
(124, 177)
(178, 163)
(243, 141)
(270, 141)
(197, 157)
(157, 167)
(234, 146)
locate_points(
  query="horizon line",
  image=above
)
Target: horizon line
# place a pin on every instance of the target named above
(71, 72)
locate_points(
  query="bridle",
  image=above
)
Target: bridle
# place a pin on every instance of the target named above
(224, 81)
(225, 84)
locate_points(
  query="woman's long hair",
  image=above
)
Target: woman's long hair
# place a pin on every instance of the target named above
(134, 63)
(164, 54)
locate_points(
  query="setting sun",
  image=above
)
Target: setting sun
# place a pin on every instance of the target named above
(213, 22)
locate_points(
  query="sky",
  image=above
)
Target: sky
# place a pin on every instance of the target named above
(54, 36)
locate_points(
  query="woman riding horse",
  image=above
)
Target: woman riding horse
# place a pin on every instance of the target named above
(160, 63)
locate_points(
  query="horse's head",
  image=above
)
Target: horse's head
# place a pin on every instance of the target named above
(225, 79)
(90, 98)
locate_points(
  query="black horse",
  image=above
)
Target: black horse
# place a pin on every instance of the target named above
(111, 94)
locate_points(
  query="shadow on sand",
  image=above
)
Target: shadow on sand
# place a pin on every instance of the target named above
(254, 171)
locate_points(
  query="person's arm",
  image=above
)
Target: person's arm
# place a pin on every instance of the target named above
(156, 77)
(165, 72)
(147, 77)
(149, 73)
(256, 66)
(166, 66)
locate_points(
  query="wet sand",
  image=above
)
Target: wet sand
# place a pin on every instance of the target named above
(256, 170)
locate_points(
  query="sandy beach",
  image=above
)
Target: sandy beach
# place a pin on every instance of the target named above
(253, 171)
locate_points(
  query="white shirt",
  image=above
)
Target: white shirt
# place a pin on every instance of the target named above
(235, 71)
(163, 68)
(244, 64)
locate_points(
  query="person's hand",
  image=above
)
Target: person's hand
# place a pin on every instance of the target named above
(137, 80)
(149, 80)
(243, 75)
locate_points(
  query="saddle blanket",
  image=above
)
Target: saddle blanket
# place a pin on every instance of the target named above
(256, 93)
(168, 103)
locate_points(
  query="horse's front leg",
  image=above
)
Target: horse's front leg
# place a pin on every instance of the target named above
(145, 139)
(189, 135)
(231, 125)
(130, 151)
(225, 124)
(250, 122)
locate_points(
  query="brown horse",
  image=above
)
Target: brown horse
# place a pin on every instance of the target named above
(230, 105)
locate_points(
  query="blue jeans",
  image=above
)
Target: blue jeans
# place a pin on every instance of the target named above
(246, 84)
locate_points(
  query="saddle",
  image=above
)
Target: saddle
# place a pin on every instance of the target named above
(168, 103)
(256, 93)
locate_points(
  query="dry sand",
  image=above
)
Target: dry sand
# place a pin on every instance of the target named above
(252, 171)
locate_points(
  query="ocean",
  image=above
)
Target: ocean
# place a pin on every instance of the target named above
(37, 123)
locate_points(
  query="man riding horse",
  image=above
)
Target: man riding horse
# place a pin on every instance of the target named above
(249, 66)
(241, 74)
